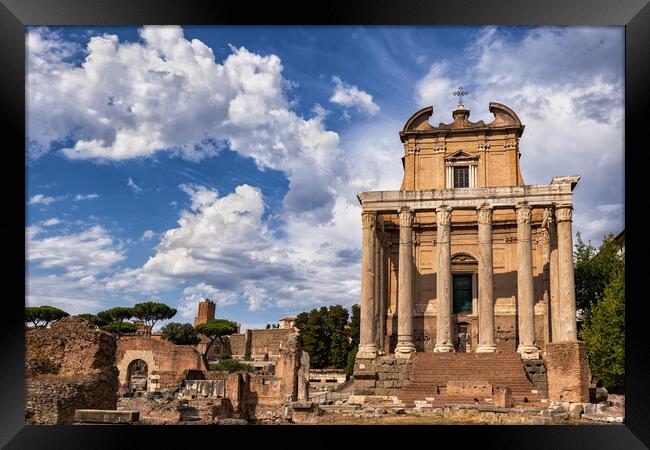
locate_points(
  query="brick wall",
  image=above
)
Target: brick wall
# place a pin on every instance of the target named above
(164, 359)
(68, 366)
(568, 371)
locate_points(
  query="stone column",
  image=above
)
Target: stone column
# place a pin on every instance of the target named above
(375, 313)
(486, 341)
(405, 345)
(367, 346)
(567, 290)
(444, 342)
(383, 274)
(525, 297)
(554, 279)
(546, 257)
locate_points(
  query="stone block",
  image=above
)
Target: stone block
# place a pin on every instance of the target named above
(597, 395)
(575, 410)
(356, 399)
(105, 416)
(502, 397)
(604, 418)
(540, 420)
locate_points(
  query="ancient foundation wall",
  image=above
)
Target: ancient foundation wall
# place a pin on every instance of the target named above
(568, 371)
(68, 366)
(384, 375)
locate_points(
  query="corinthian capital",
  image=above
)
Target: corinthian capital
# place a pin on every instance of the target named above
(564, 213)
(443, 216)
(485, 215)
(524, 212)
(368, 219)
(406, 217)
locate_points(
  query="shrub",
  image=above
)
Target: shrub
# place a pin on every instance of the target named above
(230, 366)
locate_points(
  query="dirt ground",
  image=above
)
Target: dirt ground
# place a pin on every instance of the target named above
(416, 419)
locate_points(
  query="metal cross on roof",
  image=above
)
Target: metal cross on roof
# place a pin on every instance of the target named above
(459, 93)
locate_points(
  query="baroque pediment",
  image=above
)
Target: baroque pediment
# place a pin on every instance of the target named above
(504, 119)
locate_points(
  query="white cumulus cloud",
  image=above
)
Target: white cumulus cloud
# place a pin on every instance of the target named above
(352, 97)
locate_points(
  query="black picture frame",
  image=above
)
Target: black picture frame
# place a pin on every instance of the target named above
(15, 15)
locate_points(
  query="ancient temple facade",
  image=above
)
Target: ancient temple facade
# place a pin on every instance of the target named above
(466, 257)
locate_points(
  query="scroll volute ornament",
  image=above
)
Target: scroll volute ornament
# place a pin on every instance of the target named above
(524, 213)
(564, 213)
(485, 215)
(368, 219)
(406, 217)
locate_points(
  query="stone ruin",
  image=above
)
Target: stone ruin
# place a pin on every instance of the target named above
(243, 397)
(69, 366)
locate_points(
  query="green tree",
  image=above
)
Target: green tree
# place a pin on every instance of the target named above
(42, 316)
(268, 326)
(313, 336)
(355, 325)
(594, 269)
(604, 333)
(117, 314)
(152, 312)
(180, 333)
(92, 318)
(216, 329)
(119, 329)
(337, 323)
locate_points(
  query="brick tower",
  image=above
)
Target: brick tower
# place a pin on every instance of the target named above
(206, 311)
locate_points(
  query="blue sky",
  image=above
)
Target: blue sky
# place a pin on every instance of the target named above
(173, 163)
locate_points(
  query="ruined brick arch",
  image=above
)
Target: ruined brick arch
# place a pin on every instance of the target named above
(129, 358)
(137, 374)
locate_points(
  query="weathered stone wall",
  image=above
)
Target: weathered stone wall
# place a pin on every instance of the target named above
(536, 372)
(68, 366)
(258, 342)
(166, 362)
(567, 371)
(237, 344)
(384, 375)
(268, 341)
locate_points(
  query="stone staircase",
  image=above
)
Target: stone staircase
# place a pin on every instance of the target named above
(430, 373)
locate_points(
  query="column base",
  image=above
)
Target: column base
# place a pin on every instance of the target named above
(486, 348)
(528, 351)
(444, 348)
(367, 351)
(404, 350)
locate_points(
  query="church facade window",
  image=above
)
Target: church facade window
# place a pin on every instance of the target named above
(461, 176)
